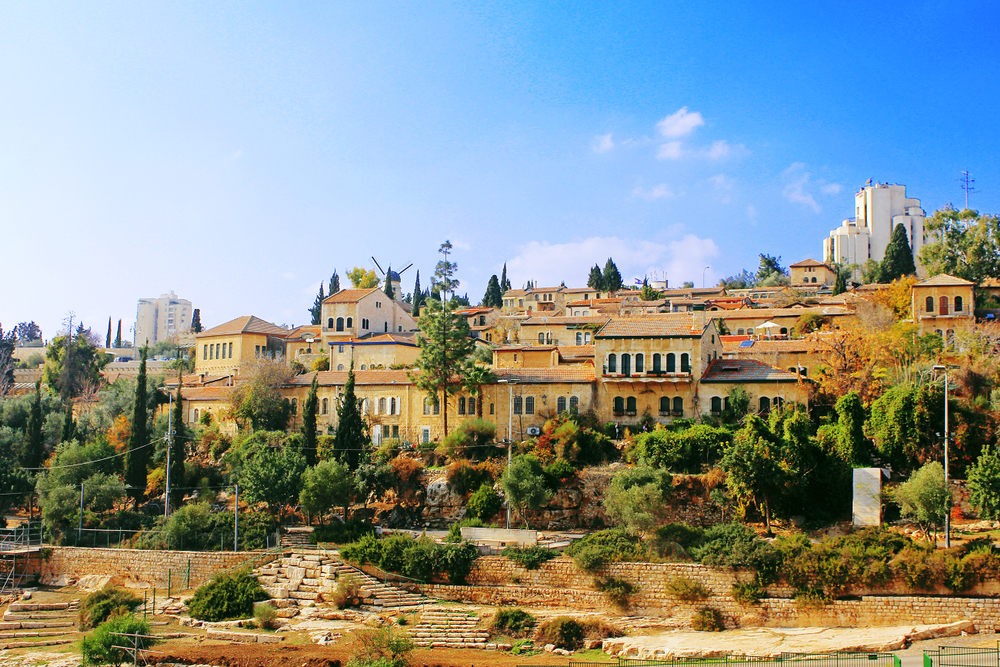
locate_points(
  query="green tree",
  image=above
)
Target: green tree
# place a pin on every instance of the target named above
(526, 485)
(484, 503)
(6, 362)
(925, 497)
(418, 296)
(898, 261)
(178, 450)
(334, 283)
(316, 311)
(741, 280)
(649, 294)
(504, 282)
(870, 271)
(445, 345)
(33, 449)
(967, 244)
(738, 405)
(769, 266)
(137, 458)
(840, 283)
(852, 446)
(361, 278)
(69, 425)
(272, 476)
(257, 402)
(638, 497)
(612, 279)
(102, 646)
(27, 332)
(474, 378)
(374, 479)
(444, 273)
(389, 291)
(352, 432)
(493, 297)
(73, 367)
(753, 467)
(107, 340)
(326, 485)
(596, 279)
(309, 410)
(195, 325)
(984, 484)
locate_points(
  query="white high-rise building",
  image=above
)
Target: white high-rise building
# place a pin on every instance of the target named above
(877, 210)
(158, 319)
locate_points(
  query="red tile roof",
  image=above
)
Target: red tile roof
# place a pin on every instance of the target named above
(745, 370)
(349, 295)
(576, 374)
(768, 313)
(943, 280)
(576, 351)
(246, 324)
(655, 326)
(206, 393)
(810, 262)
(538, 320)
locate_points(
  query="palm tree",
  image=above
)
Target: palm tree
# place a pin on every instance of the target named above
(474, 377)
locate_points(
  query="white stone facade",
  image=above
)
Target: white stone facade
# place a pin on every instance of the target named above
(159, 319)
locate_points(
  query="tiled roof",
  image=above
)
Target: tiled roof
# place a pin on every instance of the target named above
(769, 313)
(809, 262)
(537, 320)
(942, 280)
(305, 331)
(745, 370)
(384, 339)
(206, 393)
(471, 311)
(246, 324)
(515, 292)
(666, 325)
(349, 295)
(731, 345)
(578, 373)
(576, 351)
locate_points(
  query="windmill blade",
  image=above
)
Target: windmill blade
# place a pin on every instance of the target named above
(378, 265)
(407, 266)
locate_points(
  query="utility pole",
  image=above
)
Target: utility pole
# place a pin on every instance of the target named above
(79, 527)
(968, 184)
(236, 520)
(169, 439)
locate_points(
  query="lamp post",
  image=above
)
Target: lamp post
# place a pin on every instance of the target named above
(947, 513)
(510, 427)
(703, 276)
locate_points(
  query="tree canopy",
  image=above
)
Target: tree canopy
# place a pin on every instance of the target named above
(967, 245)
(898, 261)
(445, 346)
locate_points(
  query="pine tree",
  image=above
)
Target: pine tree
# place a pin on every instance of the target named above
(33, 450)
(504, 283)
(445, 346)
(418, 296)
(69, 426)
(195, 322)
(389, 291)
(352, 433)
(493, 298)
(612, 278)
(596, 279)
(137, 458)
(334, 283)
(316, 312)
(107, 341)
(309, 441)
(898, 261)
(178, 451)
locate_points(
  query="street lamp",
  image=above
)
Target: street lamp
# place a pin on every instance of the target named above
(703, 276)
(947, 514)
(510, 427)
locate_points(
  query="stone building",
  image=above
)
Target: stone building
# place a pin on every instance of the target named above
(159, 319)
(942, 304)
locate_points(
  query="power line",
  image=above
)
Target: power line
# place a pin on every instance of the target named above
(87, 463)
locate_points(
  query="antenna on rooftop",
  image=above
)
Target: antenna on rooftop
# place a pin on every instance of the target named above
(968, 184)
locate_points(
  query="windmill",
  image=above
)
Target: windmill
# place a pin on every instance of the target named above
(393, 277)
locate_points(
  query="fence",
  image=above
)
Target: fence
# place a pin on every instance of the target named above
(963, 656)
(840, 659)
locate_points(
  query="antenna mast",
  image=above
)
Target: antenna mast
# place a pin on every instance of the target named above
(968, 184)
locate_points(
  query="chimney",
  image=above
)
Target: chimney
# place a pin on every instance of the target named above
(698, 316)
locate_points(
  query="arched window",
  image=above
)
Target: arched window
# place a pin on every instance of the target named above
(574, 403)
(671, 362)
(204, 352)
(929, 305)
(741, 332)
(630, 405)
(685, 363)
(437, 406)
(295, 406)
(340, 367)
(461, 405)
(664, 405)
(472, 406)
(561, 404)
(364, 367)
(517, 405)
(340, 324)
(943, 305)
(365, 406)
(764, 405)
(325, 406)
(392, 406)
(541, 339)
(778, 402)
(939, 333)
(626, 365)
(230, 350)
(350, 322)
(678, 406)
(329, 323)
(784, 331)
(196, 414)
(656, 363)
(612, 363)
(529, 405)
(619, 407)
(958, 304)
(381, 407)
(814, 278)
(639, 363)
(716, 405)
(586, 337)
(579, 338)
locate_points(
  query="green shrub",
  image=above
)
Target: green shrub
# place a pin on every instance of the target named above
(598, 628)
(393, 554)
(736, 546)
(747, 592)
(464, 476)
(512, 622)
(813, 598)
(606, 546)
(673, 540)
(456, 560)
(530, 558)
(707, 619)
(455, 529)
(687, 589)
(341, 533)
(367, 549)
(226, 597)
(618, 591)
(346, 594)
(419, 559)
(685, 450)
(266, 616)
(98, 647)
(563, 631)
(385, 646)
(559, 472)
(109, 601)
(484, 503)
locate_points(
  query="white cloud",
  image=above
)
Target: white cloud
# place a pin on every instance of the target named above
(661, 191)
(721, 182)
(798, 185)
(603, 143)
(719, 149)
(670, 151)
(680, 123)
(549, 264)
(831, 188)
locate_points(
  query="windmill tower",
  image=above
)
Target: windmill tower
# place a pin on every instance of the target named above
(394, 279)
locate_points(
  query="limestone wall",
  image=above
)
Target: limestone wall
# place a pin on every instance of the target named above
(141, 568)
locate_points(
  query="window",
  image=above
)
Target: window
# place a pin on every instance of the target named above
(385, 327)
(437, 407)
(685, 363)
(579, 338)
(381, 406)
(196, 414)
(574, 403)
(204, 353)
(329, 323)
(340, 367)
(784, 331)
(958, 304)
(561, 404)
(943, 306)
(364, 367)
(929, 305)
(638, 363)
(678, 406)
(461, 405)
(385, 430)
(626, 365)
(586, 337)
(671, 363)
(230, 350)
(425, 436)
(325, 406)
(471, 405)
(427, 406)
(364, 323)
(764, 405)
(950, 337)
(529, 405)
(740, 332)
(541, 339)
(619, 407)
(395, 431)
(630, 405)
(492, 409)
(612, 363)
(778, 402)
(750, 331)
(378, 304)
(517, 405)
(716, 405)
(295, 406)
(392, 406)
(656, 363)
(664, 405)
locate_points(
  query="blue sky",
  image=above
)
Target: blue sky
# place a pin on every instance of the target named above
(237, 153)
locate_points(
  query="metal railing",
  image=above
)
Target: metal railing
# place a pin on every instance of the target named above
(26, 535)
(839, 659)
(963, 656)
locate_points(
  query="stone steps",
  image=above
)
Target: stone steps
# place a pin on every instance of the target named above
(449, 629)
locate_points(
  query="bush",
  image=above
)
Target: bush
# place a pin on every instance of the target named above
(469, 440)
(381, 646)
(456, 560)
(687, 450)
(367, 549)
(736, 546)
(673, 540)
(266, 616)
(606, 546)
(464, 476)
(512, 622)
(687, 589)
(98, 647)
(618, 591)
(346, 594)
(707, 619)
(559, 472)
(530, 558)
(226, 597)
(747, 592)
(563, 631)
(455, 529)
(109, 601)
(419, 559)
(341, 533)
(484, 503)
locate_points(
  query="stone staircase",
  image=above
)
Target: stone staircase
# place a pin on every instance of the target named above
(440, 628)
(28, 623)
(302, 578)
(295, 537)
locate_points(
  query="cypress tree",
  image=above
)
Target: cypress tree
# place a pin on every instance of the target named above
(389, 291)
(316, 312)
(352, 434)
(178, 451)
(493, 298)
(612, 278)
(596, 279)
(418, 296)
(69, 426)
(107, 341)
(840, 284)
(33, 450)
(334, 283)
(898, 261)
(118, 338)
(504, 283)
(137, 457)
(309, 441)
